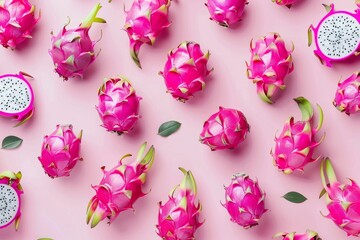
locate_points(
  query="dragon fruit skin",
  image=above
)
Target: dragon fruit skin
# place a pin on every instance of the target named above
(72, 51)
(287, 3)
(309, 235)
(333, 34)
(244, 201)
(118, 105)
(270, 63)
(60, 151)
(13, 181)
(347, 96)
(226, 13)
(17, 20)
(343, 200)
(145, 20)
(294, 148)
(225, 129)
(178, 218)
(120, 187)
(186, 70)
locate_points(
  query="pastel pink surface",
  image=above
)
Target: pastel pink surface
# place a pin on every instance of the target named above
(56, 208)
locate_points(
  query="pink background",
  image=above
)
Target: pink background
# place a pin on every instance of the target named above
(56, 208)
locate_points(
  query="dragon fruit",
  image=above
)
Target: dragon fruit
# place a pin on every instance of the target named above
(343, 200)
(118, 105)
(72, 51)
(294, 148)
(120, 187)
(16, 97)
(287, 3)
(186, 70)
(270, 63)
(17, 20)
(347, 97)
(337, 36)
(244, 201)
(10, 198)
(145, 20)
(226, 13)
(60, 151)
(309, 235)
(225, 129)
(178, 218)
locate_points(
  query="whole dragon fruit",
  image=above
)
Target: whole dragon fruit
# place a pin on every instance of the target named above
(72, 51)
(244, 201)
(145, 20)
(343, 200)
(60, 151)
(226, 13)
(10, 198)
(118, 105)
(186, 70)
(120, 187)
(287, 3)
(17, 20)
(337, 36)
(270, 63)
(309, 235)
(178, 218)
(347, 97)
(294, 148)
(225, 129)
(16, 97)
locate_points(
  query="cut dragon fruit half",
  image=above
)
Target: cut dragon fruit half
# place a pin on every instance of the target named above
(16, 97)
(337, 36)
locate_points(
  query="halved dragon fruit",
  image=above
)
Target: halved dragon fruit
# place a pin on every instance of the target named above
(16, 97)
(10, 191)
(337, 35)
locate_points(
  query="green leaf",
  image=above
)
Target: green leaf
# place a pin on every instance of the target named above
(322, 193)
(295, 197)
(168, 128)
(45, 239)
(11, 142)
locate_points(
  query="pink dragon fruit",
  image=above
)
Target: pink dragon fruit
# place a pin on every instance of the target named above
(186, 70)
(226, 12)
(178, 218)
(16, 97)
(72, 50)
(347, 97)
(17, 20)
(120, 187)
(337, 36)
(10, 198)
(287, 3)
(270, 63)
(244, 201)
(118, 105)
(225, 129)
(145, 20)
(294, 148)
(343, 200)
(309, 235)
(60, 151)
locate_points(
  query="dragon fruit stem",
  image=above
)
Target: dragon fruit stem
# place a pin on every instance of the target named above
(305, 108)
(328, 172)
(188, 181)
(91, 18)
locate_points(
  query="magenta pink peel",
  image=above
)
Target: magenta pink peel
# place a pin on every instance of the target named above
(72, 51)
(343, 200)
(120, 187)
(244, 201)
(225, 129)
(145, 21)
(337, 36)
(60, 151)
(178, 218)
(294, 147)
(347, 96)
(309, 235)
